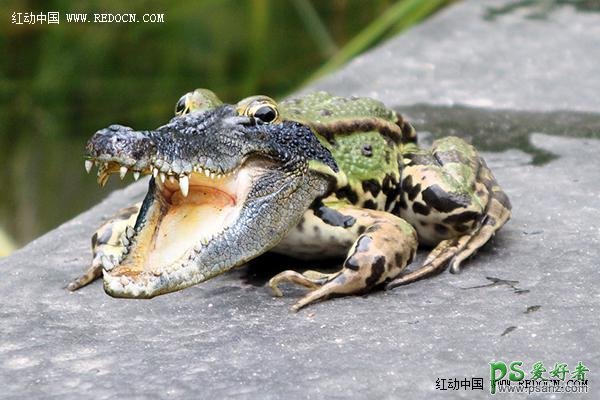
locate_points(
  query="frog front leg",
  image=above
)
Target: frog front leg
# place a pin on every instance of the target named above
(384, 245)
(453, 200)
(107, 245)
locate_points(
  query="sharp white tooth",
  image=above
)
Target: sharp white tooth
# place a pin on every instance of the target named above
(125, 241)
(184, 185)
(212, 175)
(207, 173)
(163, 177)
(136, 175)
(129, 232)
(155, 172)
(107, 263)
(88, 165)
(122, 172)
(172, 179)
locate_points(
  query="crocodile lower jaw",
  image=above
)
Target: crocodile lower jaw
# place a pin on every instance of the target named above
(179, 226)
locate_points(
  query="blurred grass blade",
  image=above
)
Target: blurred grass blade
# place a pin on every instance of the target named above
(315, 27)
(7, 245)
(398, 17)
(258, 39)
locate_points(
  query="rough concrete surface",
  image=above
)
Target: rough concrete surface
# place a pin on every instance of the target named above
(469, 55)
(531, 294)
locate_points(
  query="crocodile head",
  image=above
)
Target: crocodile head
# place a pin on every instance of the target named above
(228, 183)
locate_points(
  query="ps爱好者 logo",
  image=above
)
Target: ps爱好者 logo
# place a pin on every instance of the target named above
(511, 378)
(517, 377)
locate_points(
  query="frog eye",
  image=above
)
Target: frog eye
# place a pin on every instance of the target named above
(180, 107)
(262, 108)
(266, 114)
(199, 100)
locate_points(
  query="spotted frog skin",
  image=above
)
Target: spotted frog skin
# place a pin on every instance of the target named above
(374, 196)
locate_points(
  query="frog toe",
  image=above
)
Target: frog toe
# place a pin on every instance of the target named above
(435, 263)
(455, 263)
(309, 279)
(91, 274)
(340, 285)
(497, 215)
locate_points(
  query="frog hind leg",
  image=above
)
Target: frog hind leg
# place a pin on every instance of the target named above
(385, 245)
(466, 213)
(497, 214)
(107, 245)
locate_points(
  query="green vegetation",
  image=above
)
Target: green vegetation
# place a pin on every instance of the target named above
(60, 83)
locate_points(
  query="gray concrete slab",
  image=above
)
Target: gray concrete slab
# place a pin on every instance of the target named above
(531, 294)
(473, 54)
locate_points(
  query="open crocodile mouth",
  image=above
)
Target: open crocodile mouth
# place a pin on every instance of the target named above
(225, 189)
(188, 212)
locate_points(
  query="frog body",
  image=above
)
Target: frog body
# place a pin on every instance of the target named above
(374, 195)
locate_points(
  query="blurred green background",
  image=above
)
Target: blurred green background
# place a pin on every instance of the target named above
(60, 83)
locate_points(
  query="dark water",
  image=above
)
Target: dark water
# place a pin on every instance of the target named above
(499, 130)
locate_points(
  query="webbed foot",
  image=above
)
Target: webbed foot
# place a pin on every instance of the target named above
(108, 246)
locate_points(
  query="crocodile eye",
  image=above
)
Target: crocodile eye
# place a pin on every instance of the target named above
(266, 114)
(180, 106)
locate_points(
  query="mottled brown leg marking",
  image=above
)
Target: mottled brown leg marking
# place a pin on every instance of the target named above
(473, 227)
(379, 254)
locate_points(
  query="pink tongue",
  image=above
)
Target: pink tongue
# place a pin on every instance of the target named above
(188, 220)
